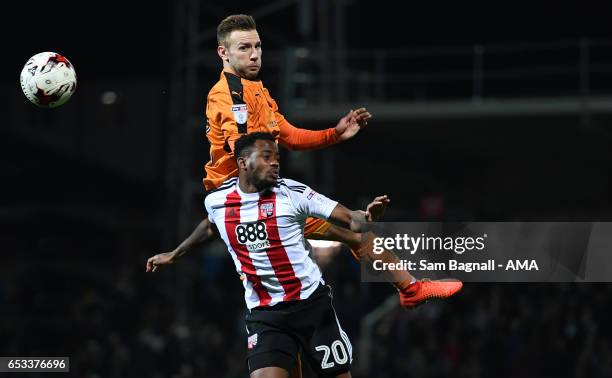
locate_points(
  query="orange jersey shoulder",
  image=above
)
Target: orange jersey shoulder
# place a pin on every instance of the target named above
(235, 107)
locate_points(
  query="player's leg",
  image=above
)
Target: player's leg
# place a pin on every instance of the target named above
(344, 375)
(271, 351)
(270, 372)
(413, 293)
(319, 229)
(297, 369)
(325, 345)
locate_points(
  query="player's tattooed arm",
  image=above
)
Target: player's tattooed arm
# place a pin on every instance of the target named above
(355, 219)
(202, 233)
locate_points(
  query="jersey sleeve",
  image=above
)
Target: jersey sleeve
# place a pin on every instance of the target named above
(295, 138)
(308, 202)
(221, 107)
(209, 209)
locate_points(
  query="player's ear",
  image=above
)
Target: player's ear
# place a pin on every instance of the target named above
(241, 161)
(222, 52)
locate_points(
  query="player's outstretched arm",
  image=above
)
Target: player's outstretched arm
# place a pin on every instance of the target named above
(355, 219)
(295, 138)
(203, 232)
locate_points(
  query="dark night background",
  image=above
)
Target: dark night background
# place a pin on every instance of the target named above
(91, 189)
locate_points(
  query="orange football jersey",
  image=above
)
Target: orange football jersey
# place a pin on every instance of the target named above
(237, 106)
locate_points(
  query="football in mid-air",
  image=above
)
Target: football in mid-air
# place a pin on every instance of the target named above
(48, 79)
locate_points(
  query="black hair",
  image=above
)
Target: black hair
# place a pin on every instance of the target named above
(244, 144)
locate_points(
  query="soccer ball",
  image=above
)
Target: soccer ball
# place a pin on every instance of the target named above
(48, 79)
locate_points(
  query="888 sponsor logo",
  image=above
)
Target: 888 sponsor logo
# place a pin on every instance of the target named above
(253, 235)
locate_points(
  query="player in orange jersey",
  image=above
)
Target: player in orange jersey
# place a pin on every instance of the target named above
(239, 103)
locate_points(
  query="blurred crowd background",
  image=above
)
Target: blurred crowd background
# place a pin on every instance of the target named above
(481, 112)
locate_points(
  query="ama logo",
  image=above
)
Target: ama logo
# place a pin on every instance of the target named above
(522, 265)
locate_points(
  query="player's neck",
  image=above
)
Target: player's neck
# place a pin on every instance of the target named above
(248, 186)
(227, 68)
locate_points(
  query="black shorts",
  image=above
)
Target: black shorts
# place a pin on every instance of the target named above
(278, 333)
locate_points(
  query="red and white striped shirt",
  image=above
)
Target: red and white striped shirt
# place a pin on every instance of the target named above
(264, 234)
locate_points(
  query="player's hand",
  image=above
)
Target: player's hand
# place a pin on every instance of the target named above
(376, 209)
(160, 259)
(350, 124)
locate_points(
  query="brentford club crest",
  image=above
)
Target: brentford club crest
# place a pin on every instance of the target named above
(266, 209)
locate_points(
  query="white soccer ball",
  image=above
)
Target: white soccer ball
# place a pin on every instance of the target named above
(48, 79)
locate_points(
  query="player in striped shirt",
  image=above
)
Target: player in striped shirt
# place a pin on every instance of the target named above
(261, 219)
